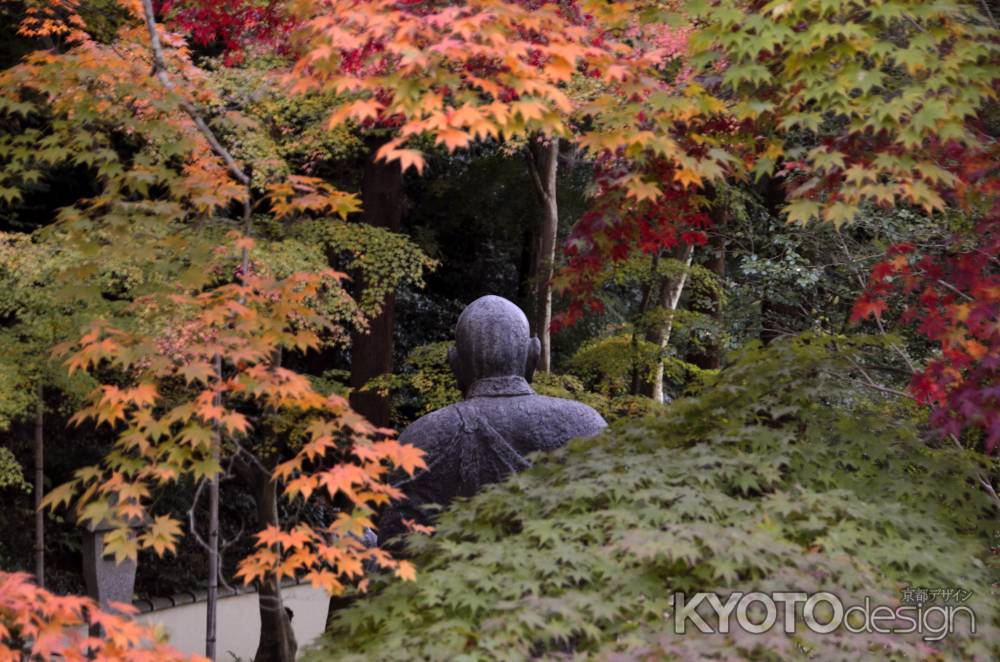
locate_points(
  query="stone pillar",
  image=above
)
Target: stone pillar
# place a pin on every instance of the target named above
(107, 581)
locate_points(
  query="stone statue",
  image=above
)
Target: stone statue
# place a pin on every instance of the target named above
(487, 436)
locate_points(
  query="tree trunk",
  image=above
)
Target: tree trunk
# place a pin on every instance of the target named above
(670, 296)
(213, 565)
(543, 162)
(40, 488)
(371, 352)
(711, 357)
(277, 639)
(772, 193)
(644, 304)
(526, 271)
(212, 599)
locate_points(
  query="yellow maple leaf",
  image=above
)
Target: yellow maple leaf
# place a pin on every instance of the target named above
(406, 571)
(687, 177)
(452, 138)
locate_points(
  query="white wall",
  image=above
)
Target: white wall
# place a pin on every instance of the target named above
(239, 622)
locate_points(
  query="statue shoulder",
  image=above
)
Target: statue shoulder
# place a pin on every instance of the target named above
(583, 419)
(426, 430)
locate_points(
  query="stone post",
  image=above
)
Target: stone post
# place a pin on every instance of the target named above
(107, 581)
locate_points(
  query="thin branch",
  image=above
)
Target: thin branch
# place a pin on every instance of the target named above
(954, 289)
(914, 23)
(160, 71)
(993, 22)
(986, 485)
(861, 281)
(240, 450)
(874, 386)
(225, 544)
(190, 513)
(529, 156)
(193, 528)
(872, 383)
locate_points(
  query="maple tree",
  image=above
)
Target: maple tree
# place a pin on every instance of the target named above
(238, 25)
(200, 348)
(35, 623)
(952, 296)
(746, 72)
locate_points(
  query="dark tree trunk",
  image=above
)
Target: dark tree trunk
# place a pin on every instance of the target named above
(277, 639)
(711, 358)
(771, 310)
(212, 600)
(40, 488)
(526, 270)
(638, 376)
(371, 352)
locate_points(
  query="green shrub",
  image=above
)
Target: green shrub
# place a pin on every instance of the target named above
(606, 366)
(779, 475)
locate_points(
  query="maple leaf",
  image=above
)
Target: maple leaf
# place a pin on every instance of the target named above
(342, 478)
(408, 158)
(235, 422)
(200, 371)
(143, 395)
(802, 211)
(58, 496)
(325, 580)
(865, 307)
(642, 190)
(687, 177)
(162, 535)
(418, 528)
(303, 485)
(452, 138)
(406, 571)
(406, 456)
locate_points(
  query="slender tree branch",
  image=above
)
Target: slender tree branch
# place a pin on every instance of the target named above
(874, 386)
(872, 383)
(212, 545)
(192, 526)
(986, 485)
(529, 156)
(993, 22)
(160, 71)
(954, 289)
(253, 459)
(861, 281)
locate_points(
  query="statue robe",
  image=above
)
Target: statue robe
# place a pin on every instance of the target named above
(482, 440)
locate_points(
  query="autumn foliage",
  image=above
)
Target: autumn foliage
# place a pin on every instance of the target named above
(848, 105)
(37, 624)
(952, 297)
(187, 368)
(215, 353)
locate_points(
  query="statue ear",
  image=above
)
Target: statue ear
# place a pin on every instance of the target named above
(534, 351)
(456, 368)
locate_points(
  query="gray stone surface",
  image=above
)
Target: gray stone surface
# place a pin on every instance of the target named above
(488, 436)
(107, 581)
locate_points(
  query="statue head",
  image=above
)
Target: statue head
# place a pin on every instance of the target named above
(492, 340)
